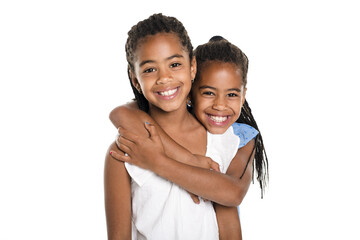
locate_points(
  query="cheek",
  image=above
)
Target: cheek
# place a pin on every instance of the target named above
(199, 110)
(236, 106)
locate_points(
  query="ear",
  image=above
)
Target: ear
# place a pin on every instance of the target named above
(134, 80)
(193, 67)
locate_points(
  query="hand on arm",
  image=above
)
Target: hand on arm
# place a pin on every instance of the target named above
(129, 117)
(217, 187)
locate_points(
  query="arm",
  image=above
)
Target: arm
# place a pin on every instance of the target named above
(211, 185)
(228, 217)
(117, 199)
(129, 116)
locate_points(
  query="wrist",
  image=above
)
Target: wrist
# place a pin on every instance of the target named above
(158, 163)
(190, 159)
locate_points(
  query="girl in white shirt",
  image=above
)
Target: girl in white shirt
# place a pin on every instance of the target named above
(160, 70)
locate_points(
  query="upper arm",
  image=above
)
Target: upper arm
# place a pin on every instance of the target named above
(117, 191)
(129, 117)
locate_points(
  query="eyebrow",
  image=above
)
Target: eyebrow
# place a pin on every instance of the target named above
(213, 88)
(168, 58)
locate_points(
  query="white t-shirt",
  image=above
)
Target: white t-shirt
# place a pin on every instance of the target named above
(163, 210)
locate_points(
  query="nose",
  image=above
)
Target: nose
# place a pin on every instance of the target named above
(164, 77)
(219, 103)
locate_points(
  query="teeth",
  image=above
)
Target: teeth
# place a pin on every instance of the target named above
(218, 119)
(168, 93)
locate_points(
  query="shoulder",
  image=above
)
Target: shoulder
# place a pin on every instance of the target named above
(127, 114)
(244, 132)
(130, 106)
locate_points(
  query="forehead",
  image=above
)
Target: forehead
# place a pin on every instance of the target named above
(220, 74)
(160, 45)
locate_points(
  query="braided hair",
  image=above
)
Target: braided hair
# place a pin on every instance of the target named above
(155, 24)
(219, 49)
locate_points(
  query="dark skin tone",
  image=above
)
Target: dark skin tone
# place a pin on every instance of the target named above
(162, 66)
(115, 178)
(228, 220)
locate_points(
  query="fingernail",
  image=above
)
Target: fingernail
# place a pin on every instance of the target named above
(110, 152)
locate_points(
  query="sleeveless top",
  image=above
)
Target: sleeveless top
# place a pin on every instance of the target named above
(163, 210)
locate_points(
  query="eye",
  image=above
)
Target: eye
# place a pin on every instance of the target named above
(149, 70)
(233, 95)
(174, 65)
(208, 93)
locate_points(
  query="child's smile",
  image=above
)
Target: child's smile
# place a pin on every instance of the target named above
(168, 93)
(218, 96)
(163, 71)
(218, 120)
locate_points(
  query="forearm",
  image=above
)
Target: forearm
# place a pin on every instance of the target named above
(131, 118)
(228, 222)
(209, 184)
(226, 189)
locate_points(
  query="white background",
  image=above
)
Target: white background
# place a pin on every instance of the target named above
(62, 70)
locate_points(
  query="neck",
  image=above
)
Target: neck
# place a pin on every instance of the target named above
(168, 121)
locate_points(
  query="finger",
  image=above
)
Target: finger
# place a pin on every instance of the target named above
(215, 166)
(151, 129)
(124, 141)
(120, 157)
(127, 134)
(115, 154)
(117, 141)
(124, 145)
(194, 198)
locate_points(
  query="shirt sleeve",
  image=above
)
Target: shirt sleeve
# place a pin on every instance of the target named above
(139, 175)
(244, 132)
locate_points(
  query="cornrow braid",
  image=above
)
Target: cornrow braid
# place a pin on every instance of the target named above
(153, 25)
(260, 158)
(219, 49)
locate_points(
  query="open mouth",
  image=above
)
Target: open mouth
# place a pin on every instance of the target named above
(218, 120)
(168, 94)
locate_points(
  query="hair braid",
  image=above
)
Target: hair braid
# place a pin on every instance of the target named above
(221, 50)
(260, 158)
(155, 24)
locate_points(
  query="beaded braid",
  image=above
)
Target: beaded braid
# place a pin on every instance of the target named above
(156, 23)
(219, 49)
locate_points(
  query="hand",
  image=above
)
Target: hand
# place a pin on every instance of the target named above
(203, 162)
(206, 162)
(138, 150)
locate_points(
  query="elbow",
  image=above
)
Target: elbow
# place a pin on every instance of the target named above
(235, 198)
(239, 197)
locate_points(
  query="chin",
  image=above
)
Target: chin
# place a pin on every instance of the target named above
(171, 107)
(217, 130)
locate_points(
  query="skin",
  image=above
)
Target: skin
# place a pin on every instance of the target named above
(160, 69)
(161, 72)
(227, 217)
(117, 198)
(218, 95)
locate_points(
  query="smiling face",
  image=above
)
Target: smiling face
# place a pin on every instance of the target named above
(163, 71)
(218, 95)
